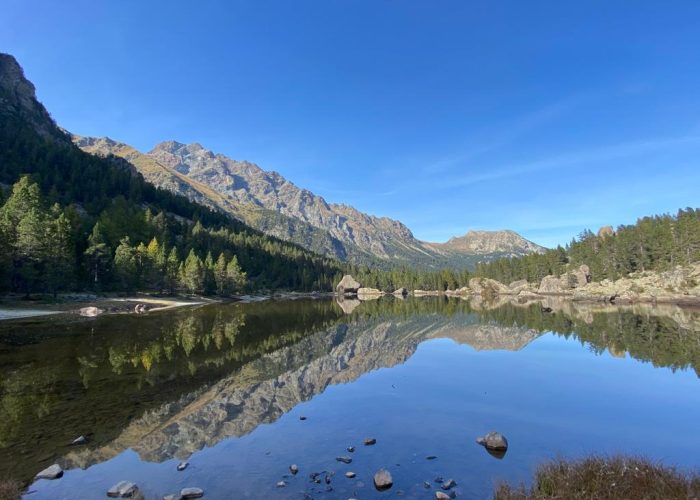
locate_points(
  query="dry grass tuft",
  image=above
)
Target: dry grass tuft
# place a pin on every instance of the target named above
(605, 479)
(10, 490)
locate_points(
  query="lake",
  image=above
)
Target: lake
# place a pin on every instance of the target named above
(242, 391)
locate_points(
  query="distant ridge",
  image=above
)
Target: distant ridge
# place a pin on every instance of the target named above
(269, 202)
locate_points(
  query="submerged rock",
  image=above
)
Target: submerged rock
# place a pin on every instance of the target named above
(294, 469)
(52, 472)
(182, 466)
(370, 441)
(449, 484)
(351, 449)
(441, 495)
(90, 312)
(122, 489)
(345, 459)
(383, 480)
(493, 441)
(350, 475)
(281, 484)
(187, 493)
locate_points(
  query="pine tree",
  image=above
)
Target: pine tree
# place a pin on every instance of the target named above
(61, 257)
(223, 286)
(126, 265)
(98, 256)
(237, 279)
(172, 271)
(193, 273)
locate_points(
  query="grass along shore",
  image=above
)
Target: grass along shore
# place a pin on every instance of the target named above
(604, 478)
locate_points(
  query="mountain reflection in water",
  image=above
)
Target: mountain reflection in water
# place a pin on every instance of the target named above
(169, 385)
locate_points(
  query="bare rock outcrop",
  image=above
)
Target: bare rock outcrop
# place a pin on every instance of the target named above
(347, 286)
(488, 287)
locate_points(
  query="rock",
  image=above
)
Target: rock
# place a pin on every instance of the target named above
(122, 489)
(606, 231)
(519, 286)
(351, 449)
(486, 287)
(347, 286)
(302, 418)
(383, 480)
(449, 484)
(350, 475)
(370, 441)
(438, 479)
(427, 485)
(430, 457)
(90, 312)
(187, 493)
(172, 496)
(78, 441)
(344, 459)
(182, 466)
(294, 469)
(281, 484)
(550, 284)
(369, 292)
(140, 308)
(493, 441)
(400, 292)
(52, 472)
(441, 495)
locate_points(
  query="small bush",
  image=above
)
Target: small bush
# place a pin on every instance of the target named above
(605, 479)
(10, 489)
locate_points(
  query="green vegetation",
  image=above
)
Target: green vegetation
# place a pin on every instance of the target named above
(604, 478)
(77, 221)
(656, 243)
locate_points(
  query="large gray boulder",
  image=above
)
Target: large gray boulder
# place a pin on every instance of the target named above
(347, 286)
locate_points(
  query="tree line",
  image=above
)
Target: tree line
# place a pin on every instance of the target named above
(73, 211)
(655, 243)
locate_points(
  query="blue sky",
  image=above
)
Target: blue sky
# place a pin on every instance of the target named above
(542, 117)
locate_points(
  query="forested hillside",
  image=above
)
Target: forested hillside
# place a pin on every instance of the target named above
(655, 243)
(80, 221)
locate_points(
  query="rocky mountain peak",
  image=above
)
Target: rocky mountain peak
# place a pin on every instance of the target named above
(18, 97)
(504, 242)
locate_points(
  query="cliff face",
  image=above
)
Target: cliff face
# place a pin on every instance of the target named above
(267, 388)
(18, 99)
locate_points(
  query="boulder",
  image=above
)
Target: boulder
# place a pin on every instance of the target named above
(52, 472)
(383, 480)
(441, 495)
(606, 231)
(90, 312)
(550, 284)
(400, 292)
(487, 287)
(493, 441)
(368, 293)
(347, 286)
(518, 286)
(140, 308)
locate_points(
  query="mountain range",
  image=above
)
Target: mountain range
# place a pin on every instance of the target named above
(270, 203)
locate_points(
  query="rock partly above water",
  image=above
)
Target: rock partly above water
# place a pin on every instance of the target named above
(383, 480)
(52, 472)
(493, 441)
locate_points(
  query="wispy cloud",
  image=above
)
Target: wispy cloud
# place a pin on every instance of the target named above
(587, 157)
(506, 133)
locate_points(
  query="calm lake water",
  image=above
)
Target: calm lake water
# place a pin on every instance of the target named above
(224, 387)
